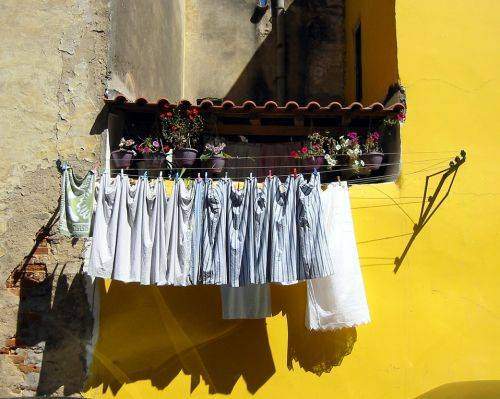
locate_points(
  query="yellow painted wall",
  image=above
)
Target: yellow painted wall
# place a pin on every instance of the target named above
(436, 323)
(378, 55)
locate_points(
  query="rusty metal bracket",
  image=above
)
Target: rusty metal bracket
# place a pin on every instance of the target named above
(430, 204)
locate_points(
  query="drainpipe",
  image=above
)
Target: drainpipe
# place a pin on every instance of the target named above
(279, 18)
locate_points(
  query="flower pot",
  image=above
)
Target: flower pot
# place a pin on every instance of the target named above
(372, 160)
(122, 158)
(184, 157)
(314, 162)
(216, 164)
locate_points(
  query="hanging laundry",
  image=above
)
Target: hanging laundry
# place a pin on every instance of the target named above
(213, 268)
(314, 257)
(248, 302)
(77, 203)
(283, 254)
(338, 301)
(209, 233)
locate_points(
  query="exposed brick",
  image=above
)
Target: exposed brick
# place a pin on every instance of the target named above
(42, 250)
(17, 359)
(4, 351)
(11, 342)
(28, 368)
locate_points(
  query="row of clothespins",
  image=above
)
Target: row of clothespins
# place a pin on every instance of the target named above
(270, 174)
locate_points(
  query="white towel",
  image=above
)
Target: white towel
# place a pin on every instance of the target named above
(338, 301)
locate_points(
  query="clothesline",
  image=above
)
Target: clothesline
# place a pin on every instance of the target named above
(259, 157)
(286, 166)
(290, 156)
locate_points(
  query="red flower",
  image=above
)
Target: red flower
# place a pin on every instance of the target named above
(294, 154)
(166, 115)
(194, 111)
(304, 150)
(166, 148)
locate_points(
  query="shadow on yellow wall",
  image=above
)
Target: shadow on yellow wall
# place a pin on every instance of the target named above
(465, 390)
(157, 332)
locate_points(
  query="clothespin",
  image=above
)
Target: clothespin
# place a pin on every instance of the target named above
(251, 175)
(270, 173)
(294, 172)
(199, 176)
(161, 174)
(315, 172)
(121, 172)
(225, 175)
(176, 176)
(338, 180)
(206, 175)
(145, 176)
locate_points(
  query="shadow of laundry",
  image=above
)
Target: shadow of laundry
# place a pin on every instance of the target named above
(487, 389)
(160, 331)
(314, 351)
(157, 332)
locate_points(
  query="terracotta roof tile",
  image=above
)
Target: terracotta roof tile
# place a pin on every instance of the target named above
(227, 106)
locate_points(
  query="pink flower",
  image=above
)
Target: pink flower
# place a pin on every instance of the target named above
(401, 117)
(294, 154)
(375, 136)
(304, 150)
(352, 135)
(146, 150)
(156, 144)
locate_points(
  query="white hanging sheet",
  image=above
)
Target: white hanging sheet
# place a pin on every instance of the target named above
(338, 301)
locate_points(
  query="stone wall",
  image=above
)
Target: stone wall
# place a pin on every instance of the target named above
(53, 66)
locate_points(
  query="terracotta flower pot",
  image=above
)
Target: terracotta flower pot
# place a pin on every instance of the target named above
(314, 162)
(184, 157)
(216, 164)
(373, 160)
(122, 158)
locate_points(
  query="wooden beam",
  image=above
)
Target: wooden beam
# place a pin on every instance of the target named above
(253, 130)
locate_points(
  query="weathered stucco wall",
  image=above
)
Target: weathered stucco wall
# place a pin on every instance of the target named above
(53, 61)
(228, 56)
(147, 48)
(225, 52)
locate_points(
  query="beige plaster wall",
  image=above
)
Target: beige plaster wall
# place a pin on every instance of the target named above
(147, 48)
(53, 63)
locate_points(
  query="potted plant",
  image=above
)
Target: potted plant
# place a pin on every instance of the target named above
(152, 154)
(181, 128)
(346, 151)
(122, 157)
(312, 153)
(372, 154)
(214, 156)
